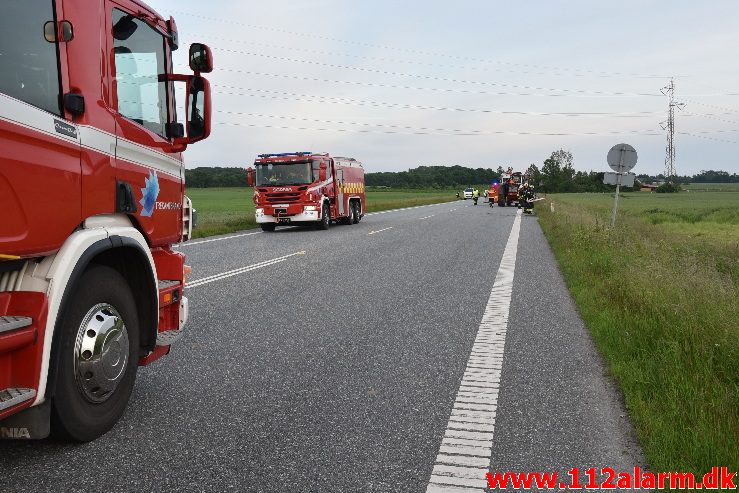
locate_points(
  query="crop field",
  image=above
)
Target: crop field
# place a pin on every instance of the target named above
(712, 187)
(660, 294)
(225, 210)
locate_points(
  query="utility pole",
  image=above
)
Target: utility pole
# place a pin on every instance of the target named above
(669, 125)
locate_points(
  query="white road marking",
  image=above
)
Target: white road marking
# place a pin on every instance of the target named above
(464, 455)
(240, 270)
(191, 243)
(427, 217)
(379, 231)
(198, 242)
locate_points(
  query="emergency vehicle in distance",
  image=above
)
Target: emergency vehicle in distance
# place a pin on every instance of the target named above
(92, 199)
(510, 182)
(306, 188)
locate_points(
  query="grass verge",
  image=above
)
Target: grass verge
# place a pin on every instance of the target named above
(660, 296)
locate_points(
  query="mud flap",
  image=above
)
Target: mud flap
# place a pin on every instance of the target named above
(30, 424)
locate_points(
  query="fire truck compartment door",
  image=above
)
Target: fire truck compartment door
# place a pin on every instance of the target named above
(340, 198)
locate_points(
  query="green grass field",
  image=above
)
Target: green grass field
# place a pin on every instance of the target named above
(225, 210)
(660, 294)
(712, 187)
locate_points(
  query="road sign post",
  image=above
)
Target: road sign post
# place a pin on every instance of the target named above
(621, 158)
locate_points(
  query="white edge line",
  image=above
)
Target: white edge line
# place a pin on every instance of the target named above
(490, 342)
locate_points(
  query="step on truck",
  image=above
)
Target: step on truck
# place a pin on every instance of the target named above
(92, 200)
(304, 188)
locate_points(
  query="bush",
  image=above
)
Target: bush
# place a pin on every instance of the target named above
(668, 188)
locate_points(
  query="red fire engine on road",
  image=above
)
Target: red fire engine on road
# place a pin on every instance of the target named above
(91, 200)
(510, 182)
(307, 188)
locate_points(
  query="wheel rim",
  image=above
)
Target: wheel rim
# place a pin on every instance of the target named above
(100, 353)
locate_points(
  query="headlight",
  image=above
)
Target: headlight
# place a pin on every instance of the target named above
(310, 208)
(259, 211)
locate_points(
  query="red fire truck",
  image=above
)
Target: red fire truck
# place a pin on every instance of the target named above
(92, 200)
(307, 188)
(508, 189)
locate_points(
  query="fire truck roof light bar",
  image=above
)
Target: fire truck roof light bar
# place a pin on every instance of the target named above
(303, 153)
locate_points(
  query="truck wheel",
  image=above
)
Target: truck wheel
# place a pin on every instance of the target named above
(352, 211)
(357, 213)
(325, 218)
(98, 356)
(268, 227)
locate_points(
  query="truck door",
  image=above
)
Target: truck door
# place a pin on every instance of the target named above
(39, 146)
(340, 194)
(142, 106)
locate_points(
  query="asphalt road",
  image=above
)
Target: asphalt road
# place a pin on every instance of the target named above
(330, 360)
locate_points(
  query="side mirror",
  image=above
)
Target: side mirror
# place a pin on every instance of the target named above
(322, 172)
(201, 58)
(198, 108)
(250, 177)
(198, 112)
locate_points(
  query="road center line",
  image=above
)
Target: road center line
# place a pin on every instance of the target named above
(460, 467)
(427, 217)
(191, 243)
(379, 231)
(240, 270)
(199, 242)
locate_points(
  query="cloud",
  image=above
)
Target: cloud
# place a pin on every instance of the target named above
(276, 60)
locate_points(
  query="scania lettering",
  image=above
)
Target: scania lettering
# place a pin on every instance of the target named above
(92, 200)
(298, 188)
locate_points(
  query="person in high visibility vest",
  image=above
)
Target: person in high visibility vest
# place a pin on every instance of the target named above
(475, 195)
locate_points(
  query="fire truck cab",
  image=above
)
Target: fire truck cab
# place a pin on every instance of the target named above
(307, 188)
(92, 200)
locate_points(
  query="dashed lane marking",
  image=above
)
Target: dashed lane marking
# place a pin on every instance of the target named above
(379, 231)
(200, 242)
(241, 270)
(191, 243)
(464, 454)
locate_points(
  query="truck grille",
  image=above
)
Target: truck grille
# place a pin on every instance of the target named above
(283, 197)
(11, 281)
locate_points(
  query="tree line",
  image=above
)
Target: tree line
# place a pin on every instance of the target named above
(556, 174)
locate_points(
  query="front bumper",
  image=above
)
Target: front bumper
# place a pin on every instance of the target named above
(305, 216)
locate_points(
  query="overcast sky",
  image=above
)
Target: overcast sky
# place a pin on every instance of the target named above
(477, 83)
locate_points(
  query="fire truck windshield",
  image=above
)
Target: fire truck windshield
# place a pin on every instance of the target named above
(271, 174)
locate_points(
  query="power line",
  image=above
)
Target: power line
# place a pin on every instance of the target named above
(712, 117)
(728, 110)
(709, 138)
(548, 73)
(416, 88)
(352, 130)
(291, 96)
(426, 130)
(434, 78)
(413, 51)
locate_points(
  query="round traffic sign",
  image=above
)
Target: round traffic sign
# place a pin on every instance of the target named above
(621, 158)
